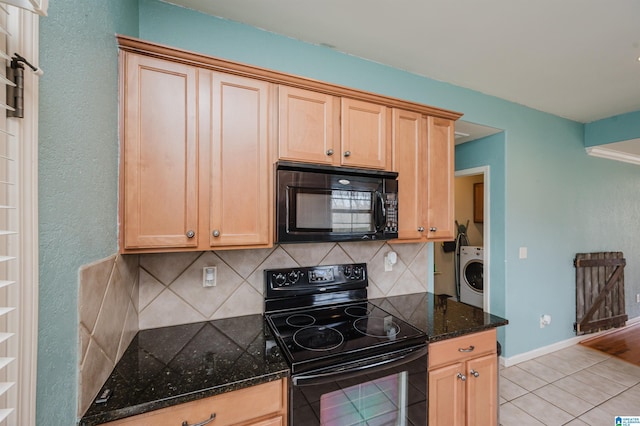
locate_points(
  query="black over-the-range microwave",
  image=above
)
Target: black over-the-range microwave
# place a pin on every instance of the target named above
(316, 203)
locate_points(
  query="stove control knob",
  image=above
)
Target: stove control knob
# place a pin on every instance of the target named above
(294, 276)
(347, 271)
(357, 273)
(280, 279)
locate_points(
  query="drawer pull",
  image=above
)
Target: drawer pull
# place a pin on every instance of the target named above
(474, 373)
(469, 349)
(459, 376)
(206, 422)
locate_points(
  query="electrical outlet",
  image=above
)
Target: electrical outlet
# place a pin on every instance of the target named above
(638, 298)
(209, 276)
(545, 320)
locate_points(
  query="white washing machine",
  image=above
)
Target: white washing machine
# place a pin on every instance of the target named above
(472, 275)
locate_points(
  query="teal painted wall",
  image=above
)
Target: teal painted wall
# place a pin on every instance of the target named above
(491, 152)
(78, 163)
(613, 129)
(556, 200)
(548, 208)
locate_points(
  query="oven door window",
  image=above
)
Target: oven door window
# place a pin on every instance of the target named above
(339, 211)
(381, 396)
(382, 401)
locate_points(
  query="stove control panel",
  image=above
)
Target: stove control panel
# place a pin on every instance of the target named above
(315, 279)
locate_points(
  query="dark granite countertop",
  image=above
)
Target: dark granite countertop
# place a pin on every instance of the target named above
(439, 316)
(171, 365)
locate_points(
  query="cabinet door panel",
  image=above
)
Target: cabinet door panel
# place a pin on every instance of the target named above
(159, 154)
(482, 391)
(308, 126)
(446, 396)
(240, 189)
(408, 158)
(229, 409)
(440, 172)
(364, 134)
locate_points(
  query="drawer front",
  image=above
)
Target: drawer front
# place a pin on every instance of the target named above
(462, 348)
(229, 408)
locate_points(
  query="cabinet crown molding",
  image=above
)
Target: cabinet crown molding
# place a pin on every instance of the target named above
(132, 44)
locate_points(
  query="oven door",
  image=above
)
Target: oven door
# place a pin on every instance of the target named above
(385, 390)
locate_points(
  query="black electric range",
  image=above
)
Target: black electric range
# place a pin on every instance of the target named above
(321, 318)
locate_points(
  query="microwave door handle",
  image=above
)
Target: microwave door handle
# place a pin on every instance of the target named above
(380, 213)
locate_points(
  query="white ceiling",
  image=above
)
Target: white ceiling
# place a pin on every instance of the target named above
(577, 59)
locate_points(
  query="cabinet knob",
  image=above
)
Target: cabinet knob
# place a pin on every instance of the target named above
(190, 234)
(421, 229)
(433, 229)
(215, 233)
(474, 373)
(347, 153)
(462, 377)
(329, 152)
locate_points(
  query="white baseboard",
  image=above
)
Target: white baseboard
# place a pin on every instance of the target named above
(544, 350)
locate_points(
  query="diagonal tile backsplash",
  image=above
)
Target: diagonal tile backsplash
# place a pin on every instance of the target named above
(122, 294)
(108, 314)
(171, 290)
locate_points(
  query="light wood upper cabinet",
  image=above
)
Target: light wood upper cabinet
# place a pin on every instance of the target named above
(159, 172)
(440, 179)
(309, 126)
(198, 143)
(318, 128)
(365, 137)
(408, 160)
(423, 156)
(196, 171)
(240, 191)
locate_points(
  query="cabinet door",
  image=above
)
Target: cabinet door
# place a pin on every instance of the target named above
(159, 169)
(308, 126)
(267, 401)
(482, 391)
(240, 189)
(446, 395)
(440, 169)
(364, 134)
(408, 161)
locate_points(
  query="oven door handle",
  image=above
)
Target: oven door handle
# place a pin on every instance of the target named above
(347, 372)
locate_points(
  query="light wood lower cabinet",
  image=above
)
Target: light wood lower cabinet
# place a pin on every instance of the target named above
(260, 405)
(463, 380)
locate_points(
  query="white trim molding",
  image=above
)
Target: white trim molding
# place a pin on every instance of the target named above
(612, 154)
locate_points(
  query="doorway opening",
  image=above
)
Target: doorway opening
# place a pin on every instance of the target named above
(462, 265)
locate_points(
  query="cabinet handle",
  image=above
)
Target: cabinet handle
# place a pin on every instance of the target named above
(459, 376)
(474, 373)
(469, 349)
(433, 229)
(329, 152)
(206, 422)
(215, 233)
(347, 153)
(190, 234)
(421, 229)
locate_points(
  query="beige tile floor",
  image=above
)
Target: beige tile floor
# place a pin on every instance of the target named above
(572, 386)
